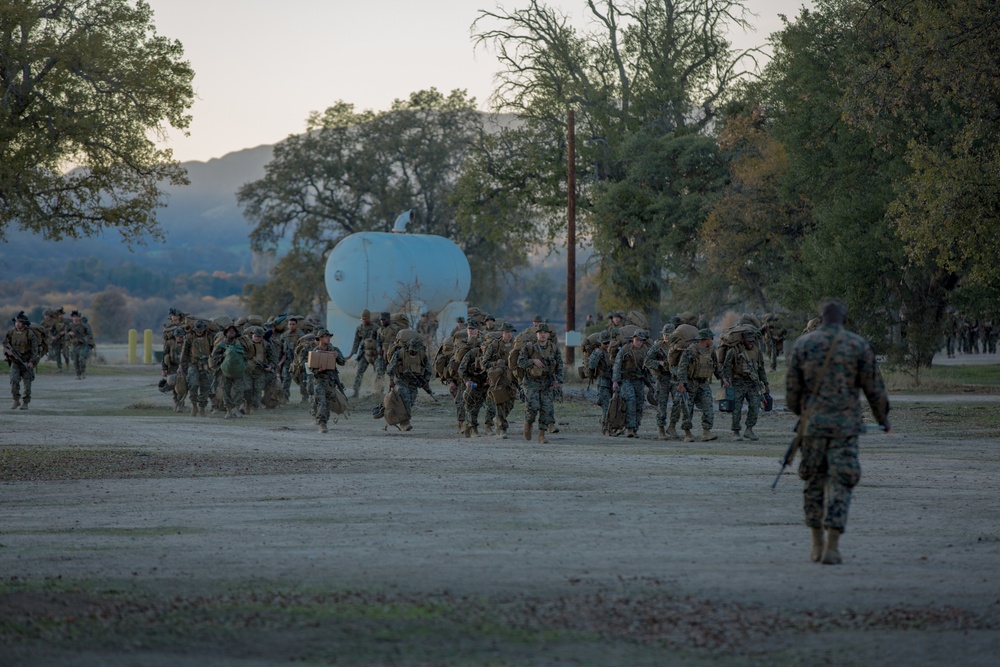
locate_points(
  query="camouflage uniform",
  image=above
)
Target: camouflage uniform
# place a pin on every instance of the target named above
(364, 331)
(695, 370)
(195, 359)
(473, 378)
(657, 363)
(232, 387)
(24, 342)
(410, 370)
(601, 368)
(744, 370)
(829, 445)
(261, 360)
(629, 375)
(80, 339)
(539, 384)
(496, 355)
(171, 365)
(286, 350)
(324, 383)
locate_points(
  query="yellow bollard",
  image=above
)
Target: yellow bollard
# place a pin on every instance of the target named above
(133, 337)
(147, 346)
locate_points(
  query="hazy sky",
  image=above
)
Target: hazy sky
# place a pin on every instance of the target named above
(261, 65)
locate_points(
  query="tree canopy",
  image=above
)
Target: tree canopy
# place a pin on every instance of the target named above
(645, 79)
(83, 86)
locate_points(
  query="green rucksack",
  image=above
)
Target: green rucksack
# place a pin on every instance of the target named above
(234, 362)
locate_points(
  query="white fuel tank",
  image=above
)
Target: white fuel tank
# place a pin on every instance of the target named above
(371, 269)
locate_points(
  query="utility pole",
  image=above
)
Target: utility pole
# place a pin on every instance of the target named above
(571, 235)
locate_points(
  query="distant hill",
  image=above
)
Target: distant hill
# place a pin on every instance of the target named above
(204, 228)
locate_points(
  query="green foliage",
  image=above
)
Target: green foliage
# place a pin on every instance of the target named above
(644, 80)
(85, 83)
(357, 171)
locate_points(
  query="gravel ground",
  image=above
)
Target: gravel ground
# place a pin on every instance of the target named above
(641, 542)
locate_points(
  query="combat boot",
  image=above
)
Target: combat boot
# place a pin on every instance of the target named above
(502, 432)
(749, 434)
(229, 414)
(687, 435)
(24, 405)
(527, 430)
(489, 429)
(737, 436)
(461, 427)
(541, 437)
(661, 433)
(322, 427)
(630, 433)
(706, 435)
(194, 410)
(15, 404)
(201, 410)
(553, 428)
(817, 547)
(468, 431)
(475, 430)
(672, 432)
(831, 553)
(355, 394)
(406, 426)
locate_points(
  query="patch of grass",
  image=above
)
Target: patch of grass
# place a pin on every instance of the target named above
(984, 379)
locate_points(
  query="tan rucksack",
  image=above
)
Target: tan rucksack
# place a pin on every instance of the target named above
(617, 413)
(501, 381)
(395, 411)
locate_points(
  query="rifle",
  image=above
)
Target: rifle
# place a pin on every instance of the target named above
(789, 456)
(15, 357)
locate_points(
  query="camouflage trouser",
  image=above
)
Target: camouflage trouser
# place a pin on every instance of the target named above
(664, 392)
(253, 388)
(701, 398)
(633, 392)
(59, 351)
(199, 381)
(474, 399)
(286, 382)
(460, 402)
(746, 389)
(500, 413)
(18, 376)
(323, 387)
(491, 412)
(80, 353)
(232, 392)
(539, 400)
(408, 392)
(831, 469)
(359, 375)
(604, 400)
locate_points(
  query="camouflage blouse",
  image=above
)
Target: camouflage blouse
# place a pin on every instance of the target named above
(834, 410)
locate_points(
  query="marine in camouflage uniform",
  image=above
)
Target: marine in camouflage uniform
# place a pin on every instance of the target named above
(324, 382)
(231, 387)
(80, 338)
(657, 362)
(409, 370)
(21, 347)
(628, 377)
(694, 376)
(262, 360)
(495, 356)
(171, 365)
(743, 369)
(58, 348)
(473, 377)
(286, 344)
(601, 366)
(364, 331)
(195, 361)
(543, 376)
(385, 334)
(825, 396)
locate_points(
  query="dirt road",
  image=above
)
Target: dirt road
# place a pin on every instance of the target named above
(103, 483)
